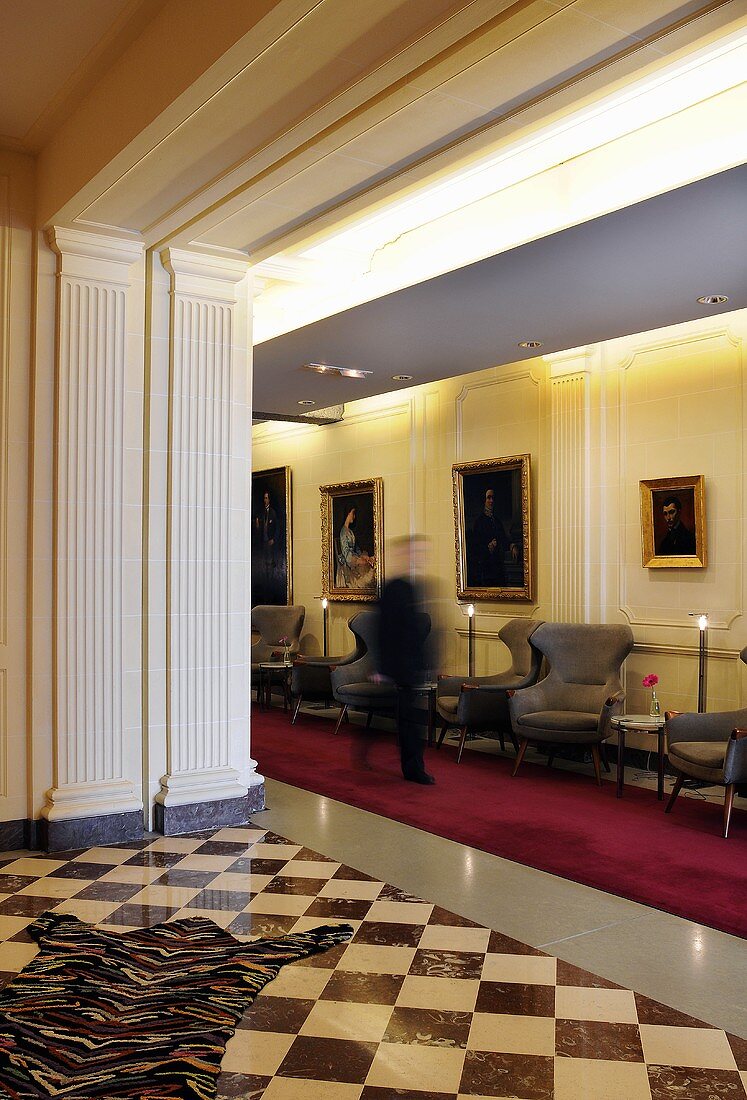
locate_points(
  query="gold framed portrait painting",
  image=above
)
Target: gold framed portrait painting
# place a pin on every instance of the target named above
(493, 529)
(673, 523)
(272, 537)
(352, 540)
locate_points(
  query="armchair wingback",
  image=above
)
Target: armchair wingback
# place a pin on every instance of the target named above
(709, 747)
(575, 701)
(311, 678)
(479, 704)
(273, 623)
(352, 685)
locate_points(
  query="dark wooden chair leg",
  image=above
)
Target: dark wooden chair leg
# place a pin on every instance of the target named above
(728, 803)
(550, 757)
(603, 752)
(296, 709)
(520, 755)
(341, 717)
(597, 764)
(462, 739)
(502, 740)
(444, 730)
(369, 720)
(675, 791)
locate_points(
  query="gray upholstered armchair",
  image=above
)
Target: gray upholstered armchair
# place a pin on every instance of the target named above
(479, 704)
(311, 679)
(273, 623)
(709, 747)
(575, 701)
(352, 686)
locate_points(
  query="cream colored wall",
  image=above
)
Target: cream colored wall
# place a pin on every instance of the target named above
(16, 249)
(657, 404)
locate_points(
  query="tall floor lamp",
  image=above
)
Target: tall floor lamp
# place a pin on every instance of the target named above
(325, 625)
(702, 662)
(702, 619)
(471, 640)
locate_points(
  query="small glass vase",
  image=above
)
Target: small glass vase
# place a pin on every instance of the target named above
(286, 655)
(654, 710)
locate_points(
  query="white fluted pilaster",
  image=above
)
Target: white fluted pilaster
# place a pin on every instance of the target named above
(207, 631)
(93, 278)
(570, 373)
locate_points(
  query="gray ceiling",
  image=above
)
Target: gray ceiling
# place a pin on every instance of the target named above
(636, 269)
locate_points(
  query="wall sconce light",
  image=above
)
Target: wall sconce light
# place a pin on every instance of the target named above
(702, 618)
(471, 640)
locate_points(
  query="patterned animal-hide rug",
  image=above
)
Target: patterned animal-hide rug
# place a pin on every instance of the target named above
(144, 1014)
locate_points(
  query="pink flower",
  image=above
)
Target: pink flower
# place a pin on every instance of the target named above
(284, 640)
(651, 680)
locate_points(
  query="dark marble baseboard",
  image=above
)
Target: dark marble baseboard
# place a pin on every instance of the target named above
(89, 832)
(13, 835)
(196, 816)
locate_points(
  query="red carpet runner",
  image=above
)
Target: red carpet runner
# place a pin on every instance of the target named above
(553, 820)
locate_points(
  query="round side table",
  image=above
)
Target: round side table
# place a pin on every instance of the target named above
(640, 723)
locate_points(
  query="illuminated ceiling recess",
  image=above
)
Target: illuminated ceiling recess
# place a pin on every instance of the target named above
(682, 119)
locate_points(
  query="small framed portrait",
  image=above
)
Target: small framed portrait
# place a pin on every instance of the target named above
(352, 540)
(272, 532)
(493, 529)
(673, 523)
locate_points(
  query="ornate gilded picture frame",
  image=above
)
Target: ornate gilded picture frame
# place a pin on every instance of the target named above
(673, 523)
(353, 540)
(272, 537)
(493, 529)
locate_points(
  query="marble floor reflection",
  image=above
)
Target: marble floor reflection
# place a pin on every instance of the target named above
(422, 1003)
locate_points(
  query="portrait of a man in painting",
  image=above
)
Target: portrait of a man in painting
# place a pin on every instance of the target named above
(492, 528)
(272, 580)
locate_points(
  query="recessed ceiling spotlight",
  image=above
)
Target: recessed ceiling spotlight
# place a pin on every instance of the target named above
(530, 344)
(341, 372)
(401, 377)
(713, 299)
(307, 402)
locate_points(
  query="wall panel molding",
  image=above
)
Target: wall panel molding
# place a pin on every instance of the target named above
(500, 379)
(718, 333)
(5, 243)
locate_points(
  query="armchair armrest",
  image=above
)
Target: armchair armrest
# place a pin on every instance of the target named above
(612, 705)
(527, 700)
(735, 763)
(705, 727)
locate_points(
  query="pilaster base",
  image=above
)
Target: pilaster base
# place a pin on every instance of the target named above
(62, 834)
(193, 817)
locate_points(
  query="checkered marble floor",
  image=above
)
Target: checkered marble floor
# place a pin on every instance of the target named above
(421, 1003)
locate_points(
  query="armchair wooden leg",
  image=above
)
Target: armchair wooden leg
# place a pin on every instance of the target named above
(296, 709)
(341, 717)
(369, 719)
(550, 757)
(520, 756)
(462, 739)
(675, 791)
(728, 803)
(444, 729)
(603, 751)
(502, 740)
(597, 764)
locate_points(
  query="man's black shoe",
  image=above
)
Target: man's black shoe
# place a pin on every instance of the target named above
(421, 777)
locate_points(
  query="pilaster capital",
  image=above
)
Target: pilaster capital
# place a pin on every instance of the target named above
(94, 257)
(203, 275)
(572, 361)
